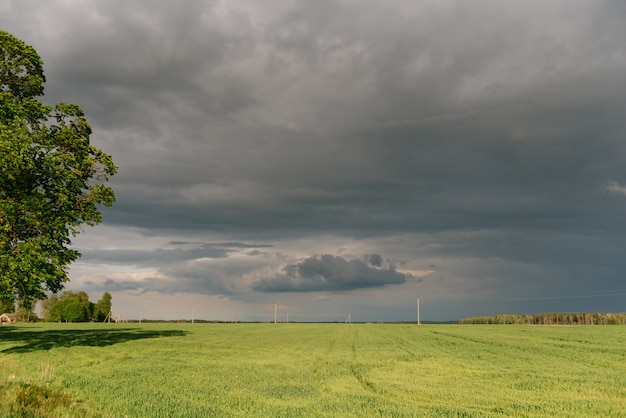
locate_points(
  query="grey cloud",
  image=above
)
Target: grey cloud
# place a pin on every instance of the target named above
(139, 287)
(330, 273)
(179, 252)
(376, 260)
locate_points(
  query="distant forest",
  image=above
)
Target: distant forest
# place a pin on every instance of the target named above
(551, 318)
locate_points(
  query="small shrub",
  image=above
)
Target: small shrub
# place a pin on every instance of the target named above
(37, 400)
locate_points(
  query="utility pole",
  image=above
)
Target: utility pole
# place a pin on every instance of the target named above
(274, 313)
(418, 312)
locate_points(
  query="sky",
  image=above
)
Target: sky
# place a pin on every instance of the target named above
(334, 159)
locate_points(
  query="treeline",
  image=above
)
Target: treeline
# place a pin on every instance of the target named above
(551, 318)
(75, 307)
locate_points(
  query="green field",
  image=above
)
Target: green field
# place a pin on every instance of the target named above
(308, 370)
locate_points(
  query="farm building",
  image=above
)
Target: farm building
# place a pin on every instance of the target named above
(9, 318)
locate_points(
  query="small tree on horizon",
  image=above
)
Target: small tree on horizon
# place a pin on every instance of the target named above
(70, 307)
(102, 309)
(65, 307)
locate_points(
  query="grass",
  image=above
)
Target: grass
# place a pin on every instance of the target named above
(308, 370)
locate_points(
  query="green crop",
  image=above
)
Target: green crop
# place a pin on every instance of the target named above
(309, 370)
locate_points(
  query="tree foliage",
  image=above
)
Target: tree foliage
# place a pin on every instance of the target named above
(102, 308)
(46, 303)
(551, 318)
(7, 306)
(76, 307)
(51, 178)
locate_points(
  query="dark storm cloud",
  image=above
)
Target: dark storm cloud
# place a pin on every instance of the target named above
(330, 273)
(355, 118)
(340, 131)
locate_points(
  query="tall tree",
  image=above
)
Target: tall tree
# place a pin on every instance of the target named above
(51, 178)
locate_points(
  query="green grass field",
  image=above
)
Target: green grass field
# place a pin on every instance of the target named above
(308, 370)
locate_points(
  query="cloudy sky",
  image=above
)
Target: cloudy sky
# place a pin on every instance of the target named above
(345, 157)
